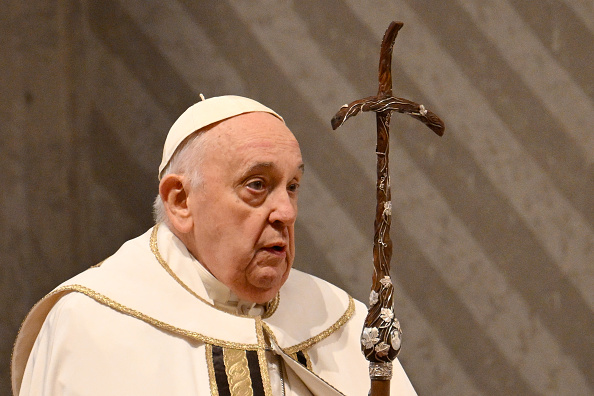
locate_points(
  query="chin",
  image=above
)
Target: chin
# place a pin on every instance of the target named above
(264, 297)
(263, 284)
(265, 290)
(256, 294)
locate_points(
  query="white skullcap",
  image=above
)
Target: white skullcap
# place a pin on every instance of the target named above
(204, 113)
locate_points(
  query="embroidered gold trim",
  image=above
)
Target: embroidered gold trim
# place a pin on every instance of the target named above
(307, 359)
(100, 298)
(214, 390)
(302, 346)
(238, 372)
(262, 357)
(271, 306)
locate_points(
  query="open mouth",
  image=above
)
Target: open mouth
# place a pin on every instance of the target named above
(275, 249)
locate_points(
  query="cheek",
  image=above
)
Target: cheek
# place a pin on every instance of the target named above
(237, 242)
(233, 226)
(291, 244)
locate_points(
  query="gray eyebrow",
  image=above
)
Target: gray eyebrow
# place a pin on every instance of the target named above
(268, 165)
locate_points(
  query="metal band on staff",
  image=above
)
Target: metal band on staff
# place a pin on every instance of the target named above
(382, 335)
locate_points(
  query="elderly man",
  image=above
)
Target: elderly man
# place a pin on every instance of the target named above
(205, 302)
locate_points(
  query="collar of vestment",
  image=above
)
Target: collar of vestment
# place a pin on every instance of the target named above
(175, 258)
(134, 282)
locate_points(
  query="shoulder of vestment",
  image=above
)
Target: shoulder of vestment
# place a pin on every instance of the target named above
(134, 283)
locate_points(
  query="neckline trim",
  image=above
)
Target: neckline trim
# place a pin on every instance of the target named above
(269, 308)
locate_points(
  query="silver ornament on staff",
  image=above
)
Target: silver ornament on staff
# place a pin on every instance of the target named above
(381, 337)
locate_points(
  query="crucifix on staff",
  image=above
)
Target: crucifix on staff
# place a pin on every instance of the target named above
(381, 336)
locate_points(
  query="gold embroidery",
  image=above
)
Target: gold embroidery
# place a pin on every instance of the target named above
(100, 298)
(319, 337)
(260, 325)
(238, 372)
(214, 390)
(307, 360)
(262, 357)
(270, 306)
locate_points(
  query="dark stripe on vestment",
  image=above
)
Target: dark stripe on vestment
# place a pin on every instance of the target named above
(220, 372)
(255, 373)
(301, 358)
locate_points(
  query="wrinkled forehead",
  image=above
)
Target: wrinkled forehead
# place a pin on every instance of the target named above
(251, 139)
(250, 134)
(204, 114)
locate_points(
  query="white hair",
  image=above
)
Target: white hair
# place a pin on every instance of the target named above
(187, 161)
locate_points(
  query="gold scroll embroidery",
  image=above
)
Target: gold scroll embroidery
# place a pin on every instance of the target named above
(238, 372)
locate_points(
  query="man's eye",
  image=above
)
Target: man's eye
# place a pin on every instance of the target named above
(256, 185)
(293, 187)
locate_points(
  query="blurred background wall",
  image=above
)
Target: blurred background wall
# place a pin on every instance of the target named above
(494, 222)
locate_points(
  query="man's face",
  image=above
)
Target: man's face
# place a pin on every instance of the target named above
(244, 212)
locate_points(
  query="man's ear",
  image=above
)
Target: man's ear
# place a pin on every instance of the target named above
(175, 200)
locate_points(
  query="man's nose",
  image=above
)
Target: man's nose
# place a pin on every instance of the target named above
(284, 208)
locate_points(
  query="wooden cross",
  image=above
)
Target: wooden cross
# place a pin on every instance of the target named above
(381, 336)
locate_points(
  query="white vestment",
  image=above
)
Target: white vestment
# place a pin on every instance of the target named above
(141, 323)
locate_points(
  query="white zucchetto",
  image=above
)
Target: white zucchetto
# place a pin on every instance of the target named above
(204, 113)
